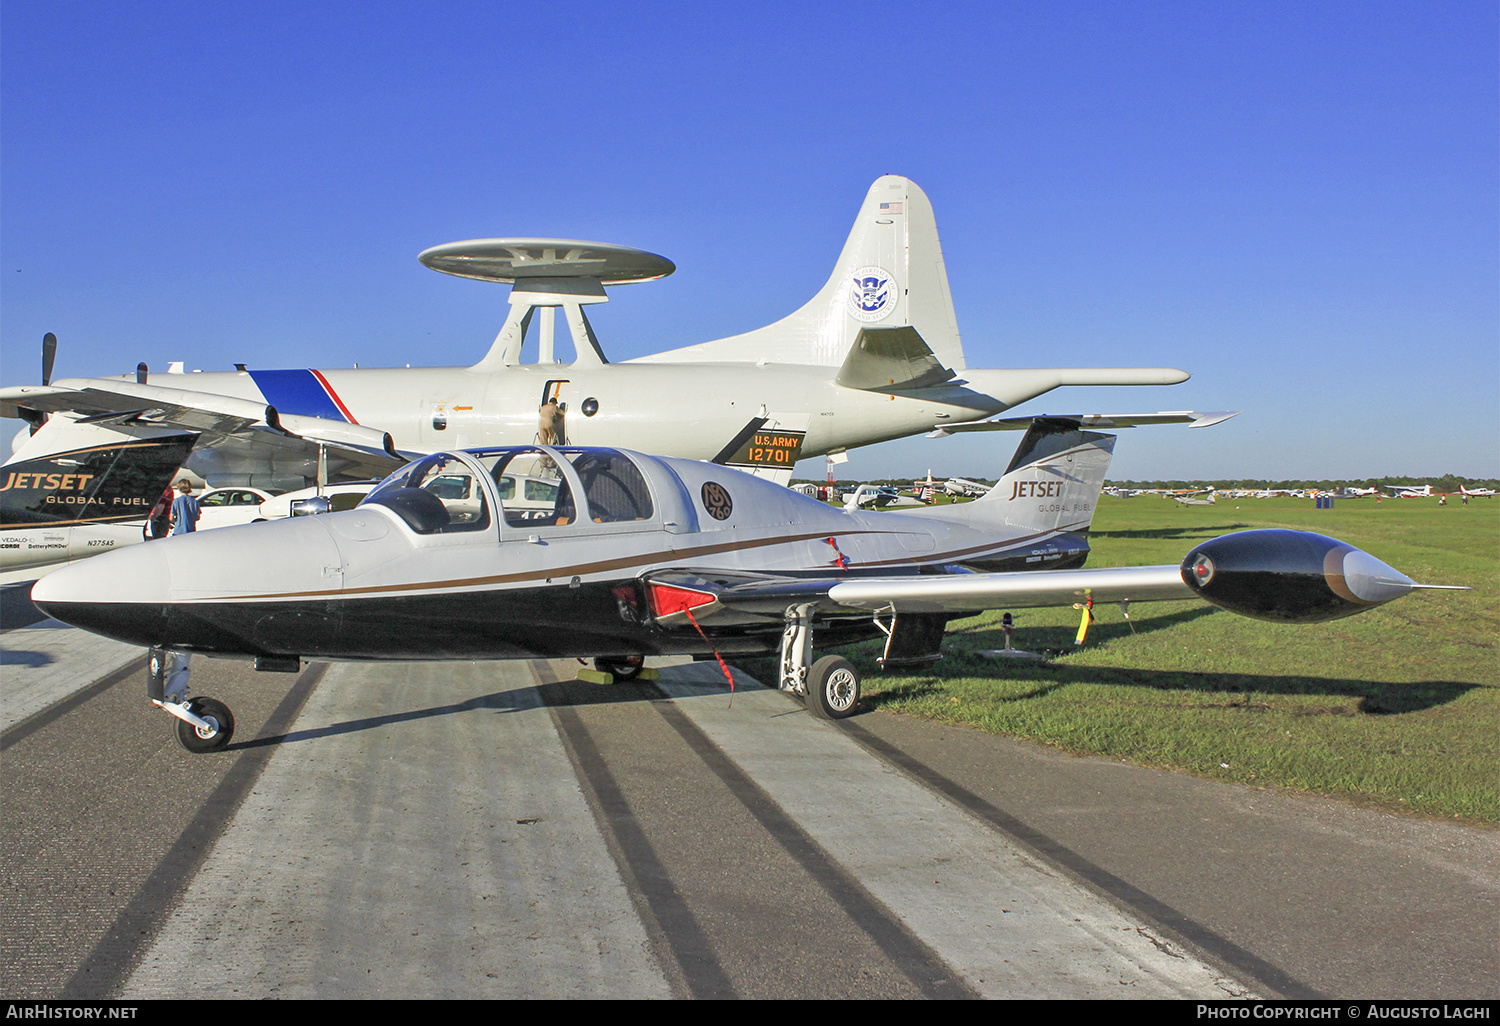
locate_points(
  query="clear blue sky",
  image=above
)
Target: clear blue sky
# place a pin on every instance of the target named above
(1297, 202)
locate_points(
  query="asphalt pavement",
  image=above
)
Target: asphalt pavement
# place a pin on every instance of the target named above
(502, 830)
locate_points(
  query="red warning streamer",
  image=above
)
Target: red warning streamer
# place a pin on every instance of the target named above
(694, 621)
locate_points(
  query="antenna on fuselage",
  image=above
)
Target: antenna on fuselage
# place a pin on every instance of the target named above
(545, 274)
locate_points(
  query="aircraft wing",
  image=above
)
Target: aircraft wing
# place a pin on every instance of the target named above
(231, 430)
(963, 592)
(101, 400)
(1091, 421)
(722, 598)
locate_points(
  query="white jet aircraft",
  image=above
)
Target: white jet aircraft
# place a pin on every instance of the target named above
(875, 355)
(627, 556)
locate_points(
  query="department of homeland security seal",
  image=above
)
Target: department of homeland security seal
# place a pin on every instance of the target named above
(872, 294)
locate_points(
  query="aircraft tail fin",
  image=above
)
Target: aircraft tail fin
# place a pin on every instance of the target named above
(890, 275)
(1052, 483)
(121, 477)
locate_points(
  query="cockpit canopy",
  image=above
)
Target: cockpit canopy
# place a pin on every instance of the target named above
(535, 486)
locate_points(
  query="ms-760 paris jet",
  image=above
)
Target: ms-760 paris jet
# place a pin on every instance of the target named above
(555, 551)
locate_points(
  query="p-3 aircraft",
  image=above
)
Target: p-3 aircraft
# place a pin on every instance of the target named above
(558, 551)
(875, 355)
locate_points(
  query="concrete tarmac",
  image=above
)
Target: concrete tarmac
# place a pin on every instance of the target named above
(500, 830)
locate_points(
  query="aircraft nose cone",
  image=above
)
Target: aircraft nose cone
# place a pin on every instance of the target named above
(113, 594)
(1367, 579)
(182, 592)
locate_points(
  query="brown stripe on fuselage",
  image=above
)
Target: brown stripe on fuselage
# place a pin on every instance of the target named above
(646, 560)
(579, 570)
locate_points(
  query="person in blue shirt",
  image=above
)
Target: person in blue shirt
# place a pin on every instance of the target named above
(184, 509)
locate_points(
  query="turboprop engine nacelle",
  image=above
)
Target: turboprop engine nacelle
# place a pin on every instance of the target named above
(1290, 576)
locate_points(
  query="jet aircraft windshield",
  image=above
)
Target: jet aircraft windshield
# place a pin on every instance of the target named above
(535, 486)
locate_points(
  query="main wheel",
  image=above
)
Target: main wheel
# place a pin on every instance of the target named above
(220, 719)
(832, 688)
(625, 668)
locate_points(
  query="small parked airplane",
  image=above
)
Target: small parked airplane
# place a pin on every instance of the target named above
(875, 355)
(626, 556)
(961, 487)
(1483, 493)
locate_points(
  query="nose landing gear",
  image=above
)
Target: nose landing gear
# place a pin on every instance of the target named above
(206, 724)
(212, 732)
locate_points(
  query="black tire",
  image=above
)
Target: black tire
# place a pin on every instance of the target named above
(215, 712)
(832, 688)
(623, 668)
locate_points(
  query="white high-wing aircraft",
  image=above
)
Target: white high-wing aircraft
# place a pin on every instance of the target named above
(1206, 497)
(875, 355)
(1409, 491)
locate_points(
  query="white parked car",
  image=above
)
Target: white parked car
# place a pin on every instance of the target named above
(224, 507)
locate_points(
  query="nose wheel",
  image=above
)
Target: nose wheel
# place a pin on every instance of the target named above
(215, 731)
(204, 724)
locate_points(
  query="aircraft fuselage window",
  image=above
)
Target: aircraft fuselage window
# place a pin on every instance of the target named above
(613, 485)
(532, 489)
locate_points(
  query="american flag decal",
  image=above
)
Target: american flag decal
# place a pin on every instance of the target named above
(891, 208)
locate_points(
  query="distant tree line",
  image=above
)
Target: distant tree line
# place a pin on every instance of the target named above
(1445, 483)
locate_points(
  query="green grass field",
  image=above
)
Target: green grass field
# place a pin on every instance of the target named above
(1398, 707)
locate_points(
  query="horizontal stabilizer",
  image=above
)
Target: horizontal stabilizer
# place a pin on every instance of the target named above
(1090, 420)
(891, 358)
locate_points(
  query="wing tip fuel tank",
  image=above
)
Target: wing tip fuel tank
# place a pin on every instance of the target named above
(1290, 576)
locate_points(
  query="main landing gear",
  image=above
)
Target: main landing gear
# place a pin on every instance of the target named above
(205, 724)
(830, 686)
(622, 668)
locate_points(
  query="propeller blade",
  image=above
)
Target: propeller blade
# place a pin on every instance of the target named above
(49, 354)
